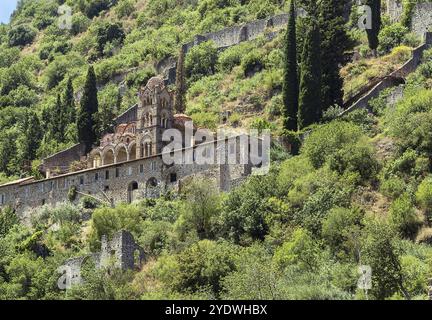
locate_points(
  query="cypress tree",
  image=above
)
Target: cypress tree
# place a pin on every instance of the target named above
(373, 33)
(180, 94)
(290, 82)
(69, 102)
(310, 79)
(31, 138)
(334, 43)
(88, 111)
(59, 119)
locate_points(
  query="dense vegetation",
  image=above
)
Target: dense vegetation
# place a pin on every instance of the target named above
(357, 192)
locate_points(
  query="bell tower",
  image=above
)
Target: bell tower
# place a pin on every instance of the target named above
(155, 115)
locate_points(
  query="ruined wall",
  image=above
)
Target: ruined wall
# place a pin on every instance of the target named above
(394, 10)
(63, 159)
(121, 252)
(130, 115)
(422, 18)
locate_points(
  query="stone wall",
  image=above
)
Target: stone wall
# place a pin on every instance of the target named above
(225, 38)
(121, 252)
(122, 182)
(62, 159)
(394, 10)
(234, 35)
(422, 18)
(130, 115)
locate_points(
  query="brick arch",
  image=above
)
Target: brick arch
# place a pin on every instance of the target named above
(146, 146)
(164, 118)
(108, 155)
(95, 158)
(132, 150)
(121, 153)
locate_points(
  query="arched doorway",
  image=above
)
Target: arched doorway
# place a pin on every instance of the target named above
(122, 154)
(132, 187)
(152, 188)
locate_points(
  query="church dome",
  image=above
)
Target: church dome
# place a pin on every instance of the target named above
(155, 82)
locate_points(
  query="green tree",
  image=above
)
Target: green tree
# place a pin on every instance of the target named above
(204, 265)
(404, 217)
(8, 219)
(180, 93)
(201, 61)
(290, 84)
(424, 195)
(29, 142)
(334, 43)
(87, 112)
(310, 80)
(59, 120)
(69, 102)
(202, 208)
(380, 252)
(373, 33)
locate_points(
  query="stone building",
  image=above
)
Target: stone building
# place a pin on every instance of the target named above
(129, 163)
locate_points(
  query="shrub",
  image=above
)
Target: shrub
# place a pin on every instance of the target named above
(202, 207)
(243, 217)
(8, 219)
(201, 61)
(232, 57)
(393, 187)
(403, 216)
(411, 121)
(89, 202)
(72, 193)
(125, 8)
(300, 250)
(204, 265)
(252, 63)
(21, 35)
(93, 8)
(80, 23)
(424, 194)
(327, 140)
(340, 229)
(107, 221)
(391, 36)
(155, 236)
(343, 146)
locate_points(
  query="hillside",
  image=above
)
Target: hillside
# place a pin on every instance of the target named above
(354, 191)
(115, 38)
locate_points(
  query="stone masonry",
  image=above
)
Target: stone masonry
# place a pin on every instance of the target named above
(120, 252)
